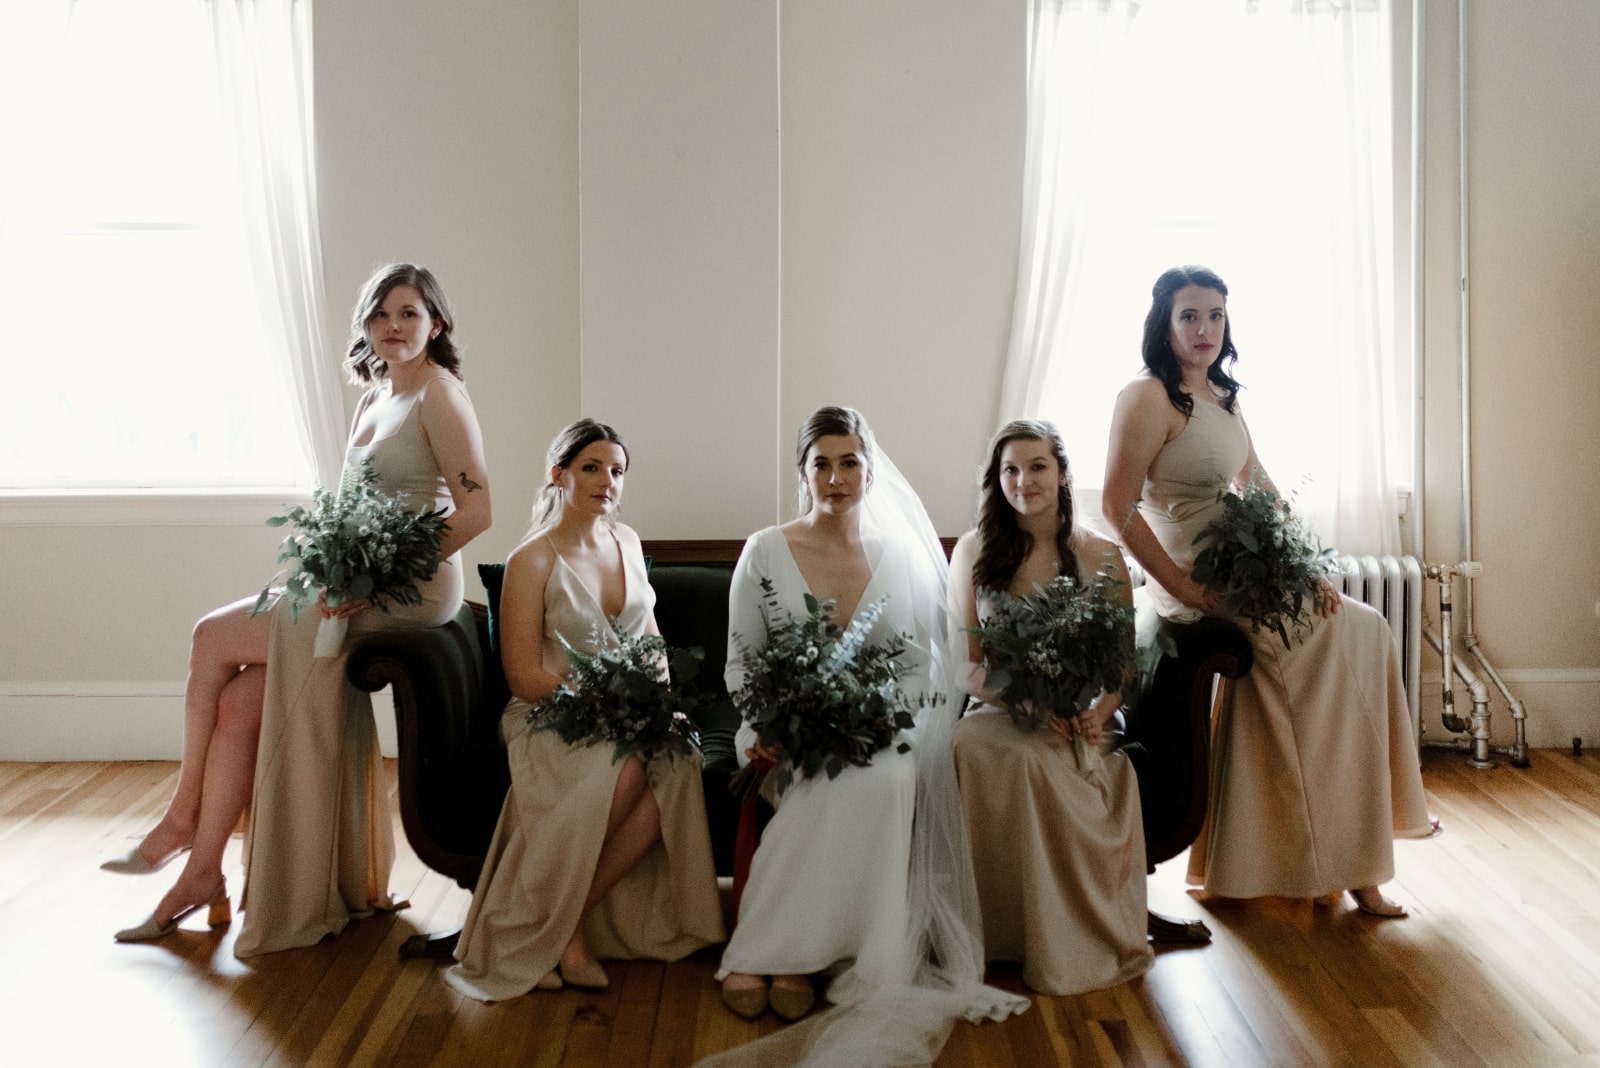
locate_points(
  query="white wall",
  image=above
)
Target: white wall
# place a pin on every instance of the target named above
(699, 220)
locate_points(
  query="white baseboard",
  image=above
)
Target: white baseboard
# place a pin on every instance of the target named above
(113, 721)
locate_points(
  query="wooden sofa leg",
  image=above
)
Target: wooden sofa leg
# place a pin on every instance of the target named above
(430, 946)
(1170, 930)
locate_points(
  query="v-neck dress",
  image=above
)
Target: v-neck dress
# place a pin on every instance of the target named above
(542, 858)
(827, 890)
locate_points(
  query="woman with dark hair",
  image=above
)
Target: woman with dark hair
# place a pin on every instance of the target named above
(1315, 768)
(1057, 848)
(846, 887)
(260, 710)
(592, 857)
(826, 894)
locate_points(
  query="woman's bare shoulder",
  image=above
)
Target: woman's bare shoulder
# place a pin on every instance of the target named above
(535, 556)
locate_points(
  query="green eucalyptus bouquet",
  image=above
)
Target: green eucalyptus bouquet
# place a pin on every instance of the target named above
(1264, 560)
(1050, 654)
(356, 543)
(822, 694)
(621, 694)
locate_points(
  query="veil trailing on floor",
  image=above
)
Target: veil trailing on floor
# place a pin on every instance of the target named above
(905, 1021)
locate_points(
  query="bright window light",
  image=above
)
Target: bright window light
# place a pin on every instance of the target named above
(134, 355)
(1228, 134)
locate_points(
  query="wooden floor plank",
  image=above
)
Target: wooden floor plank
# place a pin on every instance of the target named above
(1499, 964)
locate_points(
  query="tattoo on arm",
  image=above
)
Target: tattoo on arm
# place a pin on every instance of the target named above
(467, 483)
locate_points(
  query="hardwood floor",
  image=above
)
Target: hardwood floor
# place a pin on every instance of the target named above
(1498, 966)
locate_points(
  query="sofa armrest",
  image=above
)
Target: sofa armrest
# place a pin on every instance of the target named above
(448, 699)
(1168, 726)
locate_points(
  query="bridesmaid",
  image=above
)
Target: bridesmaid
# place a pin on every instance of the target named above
(1058, 850)
(417, 425)
(591, 858)
(1314, 765)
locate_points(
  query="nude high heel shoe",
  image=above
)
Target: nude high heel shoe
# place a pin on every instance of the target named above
(221, 912)
(134, 862)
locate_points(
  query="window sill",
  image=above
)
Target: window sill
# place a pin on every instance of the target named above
(135, 508)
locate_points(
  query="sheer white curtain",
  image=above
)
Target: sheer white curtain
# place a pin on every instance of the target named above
(1252, 136)
(264, 64)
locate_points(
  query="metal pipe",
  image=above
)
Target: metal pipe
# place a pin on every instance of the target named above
(1419, 332)
(1445, 649)
(1464, 385)
(1518, 750)
(1479, 728)
(1471, 569)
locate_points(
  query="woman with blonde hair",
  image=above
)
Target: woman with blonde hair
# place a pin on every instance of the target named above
(592, 857)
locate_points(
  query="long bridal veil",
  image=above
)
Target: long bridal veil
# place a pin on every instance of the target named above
(906, 1019)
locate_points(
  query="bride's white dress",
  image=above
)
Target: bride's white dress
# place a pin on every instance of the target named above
(827, 890)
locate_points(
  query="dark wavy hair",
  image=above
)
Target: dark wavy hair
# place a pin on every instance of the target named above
(360, 362)
(573, 439)
(828, 422)
(1158, 354)
(1002, 543)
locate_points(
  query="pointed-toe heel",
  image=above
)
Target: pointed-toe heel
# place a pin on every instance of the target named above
(748, 1002)
(219, 911)
(134, 862)
(550, 980)
(792, 1002)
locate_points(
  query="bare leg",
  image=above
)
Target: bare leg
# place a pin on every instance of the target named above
(633, 827)
(224, 641)
(230, 767)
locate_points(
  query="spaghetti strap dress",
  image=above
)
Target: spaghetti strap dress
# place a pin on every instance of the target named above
(1058, 853)
(545, 848)
(321, 840)
(1314, 767)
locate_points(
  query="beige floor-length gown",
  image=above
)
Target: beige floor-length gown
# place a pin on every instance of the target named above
(321, 842)
(545, 847)
(1058, 854)
(1314, 765)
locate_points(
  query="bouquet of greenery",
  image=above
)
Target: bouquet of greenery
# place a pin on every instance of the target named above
(359, 543)
(1050, 654)
(1263, 559)
(822, 695)
(621, 695)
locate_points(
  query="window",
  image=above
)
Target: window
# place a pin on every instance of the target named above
(1251, 136)
(135, 355)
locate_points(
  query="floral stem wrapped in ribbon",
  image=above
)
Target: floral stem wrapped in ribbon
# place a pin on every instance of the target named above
(1049, 655)
(1267, 564)
(821, 694)
(359, 543)
(622, 694)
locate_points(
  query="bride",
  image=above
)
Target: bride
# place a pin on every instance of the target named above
(846, 889)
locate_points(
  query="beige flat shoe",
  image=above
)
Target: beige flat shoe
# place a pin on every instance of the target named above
(792, 1002)
(746, 1001)
(587, 976)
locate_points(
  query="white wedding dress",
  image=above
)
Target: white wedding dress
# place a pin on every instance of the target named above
(827, 887)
